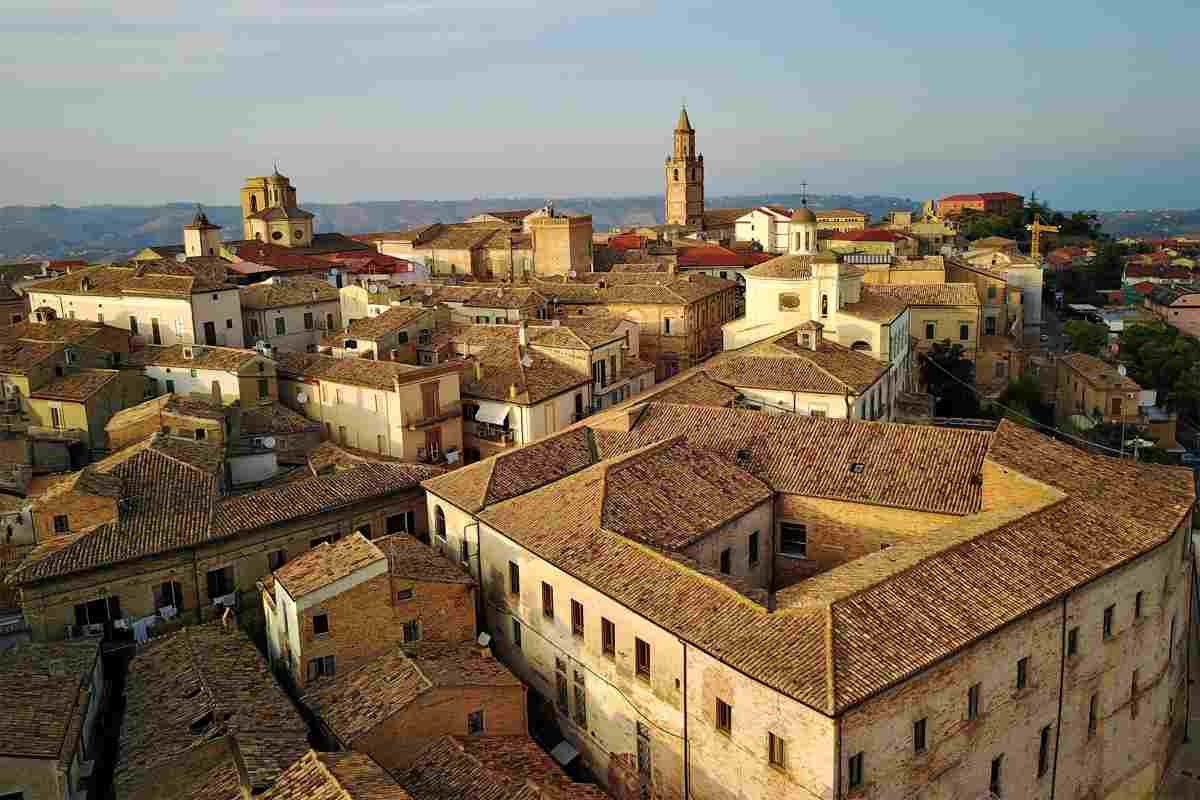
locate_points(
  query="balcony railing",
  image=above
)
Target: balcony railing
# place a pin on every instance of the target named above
(444, 412)
(490, 433)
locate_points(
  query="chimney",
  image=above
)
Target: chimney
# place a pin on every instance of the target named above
(523, 333)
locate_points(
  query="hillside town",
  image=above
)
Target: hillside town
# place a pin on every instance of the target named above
(757, 502)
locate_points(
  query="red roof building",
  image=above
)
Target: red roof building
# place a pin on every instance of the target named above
(983, 202)
(715, 256)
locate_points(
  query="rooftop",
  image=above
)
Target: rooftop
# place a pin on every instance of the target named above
(786, 365)
(327, 563)
(278, 292)
(189, 688)
(396, 318)
(790, 266)
(409, 558)
(225, 359)
(372, 373)
(335, 776)
(45, 688)
(162, 278)
(1099, 373)
(926, 294)
(77, 386)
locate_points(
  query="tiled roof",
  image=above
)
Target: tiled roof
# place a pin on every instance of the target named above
(20, 356)
(698, 389)
(835, 213)
(926, 294)
(409, 558)
(354, 703)
(162, 278)
(275, 213)
(520, 759)
(167, 404)
(785, 267)
(505, 368)
(284, 259)
(287, 292)
(875, 306)
(444, 771)
(642, 493)
(76, 386)
(71, 331)
(43, 686)
(632, 287)
(371, 373)
(1099, 373)
(274, 418)
(784, 364)
(228, 359)
(868, 235)
(653, 266)
(394, 319)
(327, 563)
(335, 776)
(191, 687)
(317, 495)
(982, 196)
(717, 217)
(505, 298)
(716, 256)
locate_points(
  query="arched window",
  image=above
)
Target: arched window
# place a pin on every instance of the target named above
(676, 174)
(253, 204)
(824, 305)
(861, 346)
(808, 240)
(439, 522)
(258, 236)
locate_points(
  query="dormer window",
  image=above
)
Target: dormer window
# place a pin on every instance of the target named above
(806, 340)
(857, 467)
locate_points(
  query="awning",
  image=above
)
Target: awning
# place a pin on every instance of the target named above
(491, 412)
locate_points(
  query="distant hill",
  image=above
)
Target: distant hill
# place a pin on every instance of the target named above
(1162, 223)
(98, 233)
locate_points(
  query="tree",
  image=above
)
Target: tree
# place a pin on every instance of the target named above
(1021, 401)
(1159, 357)
(1086, 337)
(950, 378)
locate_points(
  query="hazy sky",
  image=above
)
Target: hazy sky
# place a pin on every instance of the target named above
(1092, 103)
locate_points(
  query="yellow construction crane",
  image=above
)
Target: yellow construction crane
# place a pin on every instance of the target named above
(1037, 228)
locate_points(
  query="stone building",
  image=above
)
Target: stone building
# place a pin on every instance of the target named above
(1088, 387)
(53, 696)
(685, 177)
(982, 202)
(154, 527)
(271, 214)
(1050, 656)
(841, 220)
(224, 374)
(339, 605)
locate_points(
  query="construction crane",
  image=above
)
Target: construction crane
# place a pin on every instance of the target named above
(1037, 228)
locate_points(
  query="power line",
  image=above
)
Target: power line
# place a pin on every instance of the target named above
(1018, 414)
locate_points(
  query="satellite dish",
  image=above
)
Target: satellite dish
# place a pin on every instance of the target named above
(301, 397)
(269, 442)
(374, 288)
(1121, 370)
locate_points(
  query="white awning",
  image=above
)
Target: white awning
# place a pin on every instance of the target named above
(491, 412)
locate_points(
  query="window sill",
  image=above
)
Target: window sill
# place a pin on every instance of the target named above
(795, 556)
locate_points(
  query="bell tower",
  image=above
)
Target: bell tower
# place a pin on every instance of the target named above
(685, 177)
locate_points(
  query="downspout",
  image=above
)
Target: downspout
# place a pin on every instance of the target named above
(480, 621)
(687, 763)
(837, 758)
(1187, 663)
(1062, 679)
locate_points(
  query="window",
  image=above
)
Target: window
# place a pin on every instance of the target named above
(133, 325)
(61, 525)
(170, 386)
(608, 637)
(264, 389)
(1022, 672)
(776, 751)
(167, 594)
(752, 549)
(561, 699)
(726, 560)
(973, 702)
(994, 781)
(824, 305)
(1092, 704)
(576, 618)
(643, 659)
(919, 736)
(403, 595)
(229, 323)
(1133, 693)
(280, 326)
(201, 434)
(991, 293)
(1116, 406)
(516, 633)
(402, 337)
(793, 539)
(254, 328)
(1108, 622)
(1171, 642)
(547, 600)
(411, 631)
(1001, 369)
(475, 723)
(320, 624)
(324, 666)
(1044, 752)
(580, 700)
(964, 332)
(439, 523)
(724, 717)
(465, 554)
(220, 582)
(100, 317)
(276, 559)
(1072, 641)
(930, 330)
(856, 770)
(308, 321)
(514, 578)
(1137, 605)
(667, 326)
(56, 418)
(989, 326)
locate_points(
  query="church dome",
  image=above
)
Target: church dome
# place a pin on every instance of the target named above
(803, 214)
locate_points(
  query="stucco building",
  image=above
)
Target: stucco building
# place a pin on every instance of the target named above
(982, 202)
(1054, 660)
(290, 314)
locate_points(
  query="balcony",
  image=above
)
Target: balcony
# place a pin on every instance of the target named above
(445, 412)
(490, 433)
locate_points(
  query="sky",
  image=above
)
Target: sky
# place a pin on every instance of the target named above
(1091, 104)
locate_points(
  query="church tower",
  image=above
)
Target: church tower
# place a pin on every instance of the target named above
(685, 177)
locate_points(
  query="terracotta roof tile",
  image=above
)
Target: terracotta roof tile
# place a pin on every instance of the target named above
(1099, 373)
(926, 294)
(279, 292)
(76, 386)
(45, 690)
(229, 359)
(409, 558)
(327, 563)
(335, 776)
